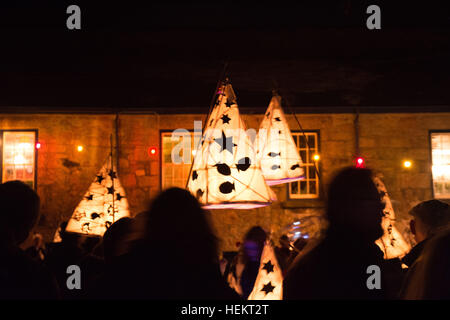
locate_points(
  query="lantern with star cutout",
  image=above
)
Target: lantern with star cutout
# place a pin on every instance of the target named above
(102, 205)
(269, 282)
(225, 173)
(276, 150)
(391, 243)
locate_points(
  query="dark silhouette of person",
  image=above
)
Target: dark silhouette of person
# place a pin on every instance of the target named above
(428, 217)
(337, 267)
(430, 277)
(72, 250)
(21, 277)
(283, 253)
(177, 257)
(245, 266)
(116, 239)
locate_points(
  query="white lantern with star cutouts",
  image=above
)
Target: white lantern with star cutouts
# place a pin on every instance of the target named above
(276, 151)
(225, 173)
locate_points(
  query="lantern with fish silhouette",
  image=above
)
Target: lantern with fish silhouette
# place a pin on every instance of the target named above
(391, 243)
(276, 151)
(269, 281)
(102, 205)
(225, 173)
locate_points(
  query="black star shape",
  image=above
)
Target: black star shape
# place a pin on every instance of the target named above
(277, 119)
(229, 103)
(268, 266)
(90, 197)
(110, 190)
(194, 175)
(225, 143)
(119, 196)
(100, 179)
(112, 174)
(225, 119)
(268, 288)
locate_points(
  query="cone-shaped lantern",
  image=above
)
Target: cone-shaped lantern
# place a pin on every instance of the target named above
(269, 282)
(276, 150)
(391, 243)
(102, 205)
(225, 173)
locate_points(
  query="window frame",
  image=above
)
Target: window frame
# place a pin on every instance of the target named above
(430, 150)
(36, 152)
(161, 153)
(319, 174)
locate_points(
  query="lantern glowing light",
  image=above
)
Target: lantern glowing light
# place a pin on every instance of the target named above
(102, 205)
(391, 243)
(316, 157)
(225, 173)
(79, 148)
(407, 164)
(276, 149)
(269, 282)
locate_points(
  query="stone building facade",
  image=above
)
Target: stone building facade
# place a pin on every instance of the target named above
(385, 140)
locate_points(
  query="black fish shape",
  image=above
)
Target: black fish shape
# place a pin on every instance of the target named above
(223, 168)
(243, 164)
(275, 167)
(94, 215)
(227, 187)
(199, 193)
(277, 119)
(273, 154)
(295, 166)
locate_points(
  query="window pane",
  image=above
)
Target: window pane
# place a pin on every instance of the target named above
(440, 144)
(18, 156)
(175, 174)
(307, 188)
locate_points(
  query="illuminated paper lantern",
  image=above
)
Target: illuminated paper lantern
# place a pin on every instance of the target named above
(225, 173)
(391, 243)
(269, 282)
(102, 205)
(276, 151)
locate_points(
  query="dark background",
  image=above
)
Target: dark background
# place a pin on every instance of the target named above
(169, 55)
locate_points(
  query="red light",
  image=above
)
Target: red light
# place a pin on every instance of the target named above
(152, 151)
(38, 145)
(360, 162)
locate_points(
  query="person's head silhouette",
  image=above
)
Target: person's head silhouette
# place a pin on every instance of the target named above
(178, 224)
(254, 243)
(428, 218)
(19, 211)
(354, 205)
(116, 238)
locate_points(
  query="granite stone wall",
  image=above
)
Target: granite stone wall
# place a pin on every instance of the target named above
(64, 174)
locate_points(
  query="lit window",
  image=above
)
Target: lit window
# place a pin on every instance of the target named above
(174, 174)
(309, 187)
(440, 153)
(18, 156)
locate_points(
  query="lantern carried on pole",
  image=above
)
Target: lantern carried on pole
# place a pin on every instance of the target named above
(102, 205)
(225, 173)
(391, 243)
(276, 151)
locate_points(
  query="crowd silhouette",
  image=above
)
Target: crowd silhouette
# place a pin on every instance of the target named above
(171, 251)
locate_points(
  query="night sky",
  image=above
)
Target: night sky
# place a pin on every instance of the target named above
(170, 55)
